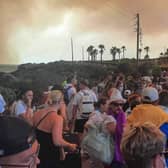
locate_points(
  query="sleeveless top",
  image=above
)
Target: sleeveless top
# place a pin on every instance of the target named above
(48, 151)
(49, 154)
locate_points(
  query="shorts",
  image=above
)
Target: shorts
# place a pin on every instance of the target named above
(79, 125)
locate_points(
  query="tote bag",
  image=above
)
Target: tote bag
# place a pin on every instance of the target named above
(99, 145)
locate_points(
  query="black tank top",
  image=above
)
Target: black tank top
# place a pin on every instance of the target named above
(48, 151)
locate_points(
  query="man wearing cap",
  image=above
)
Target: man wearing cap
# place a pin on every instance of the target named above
(150, 96)
(149, 111)
(18, 145)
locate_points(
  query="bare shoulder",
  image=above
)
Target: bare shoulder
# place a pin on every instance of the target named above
(54, 116)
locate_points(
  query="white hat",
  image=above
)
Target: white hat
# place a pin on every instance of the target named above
(116, 96)
(150, 94)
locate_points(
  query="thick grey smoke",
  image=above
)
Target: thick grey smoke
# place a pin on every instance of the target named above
(91, 16)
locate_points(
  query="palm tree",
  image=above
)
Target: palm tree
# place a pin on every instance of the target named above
(166, 53)
(161, 54)
(94, 54)
(146, 57)
(119, 52)
(113, 52)
(101, 51)
(123, 48)
(90, 50)
(147, 51)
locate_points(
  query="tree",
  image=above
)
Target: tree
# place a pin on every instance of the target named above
(119, 52)
(123, 48)
(146, 57)
(147, 51)
(101, 51)
(161, 54)
(94, 54)
(166, 53)
(90, 50)
(113, 52)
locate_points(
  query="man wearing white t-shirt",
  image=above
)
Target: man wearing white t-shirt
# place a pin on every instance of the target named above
(83, 105)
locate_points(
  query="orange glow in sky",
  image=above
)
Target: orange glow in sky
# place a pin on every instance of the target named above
(40, 31)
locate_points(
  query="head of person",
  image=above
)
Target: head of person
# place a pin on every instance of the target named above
(120, 86)
(57, 87)
(74, 82)
(84, 83)
(116, 101)
(147, 80)
(102, 105)
(142, 146)
(109, 76)
(150, 95)
(18, 144)
(55, 97)
(163, 98)
(134, 100)
(26, 94)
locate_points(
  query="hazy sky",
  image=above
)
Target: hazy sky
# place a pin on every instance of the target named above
(40, 30)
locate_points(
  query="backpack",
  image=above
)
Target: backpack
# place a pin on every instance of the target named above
(66, 97)
(86, 104)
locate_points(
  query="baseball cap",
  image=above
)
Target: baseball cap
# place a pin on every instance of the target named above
(16, 135)
(150, 94)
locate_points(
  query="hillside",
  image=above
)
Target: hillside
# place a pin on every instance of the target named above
(8, 68)
(40, 76)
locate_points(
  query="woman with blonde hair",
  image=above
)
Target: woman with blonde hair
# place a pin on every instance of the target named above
(142, 146)
(49, 128)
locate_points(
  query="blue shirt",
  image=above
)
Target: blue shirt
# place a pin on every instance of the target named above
(2, 104)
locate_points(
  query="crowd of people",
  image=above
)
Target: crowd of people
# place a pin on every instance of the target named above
(132, 111)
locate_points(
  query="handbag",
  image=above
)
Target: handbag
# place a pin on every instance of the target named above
(99, 145)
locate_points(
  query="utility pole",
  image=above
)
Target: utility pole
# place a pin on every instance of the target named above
(138, 34)
(83, 56)
(72, 50)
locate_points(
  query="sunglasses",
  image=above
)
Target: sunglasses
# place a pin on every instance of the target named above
(28, 163)
(117, 104)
